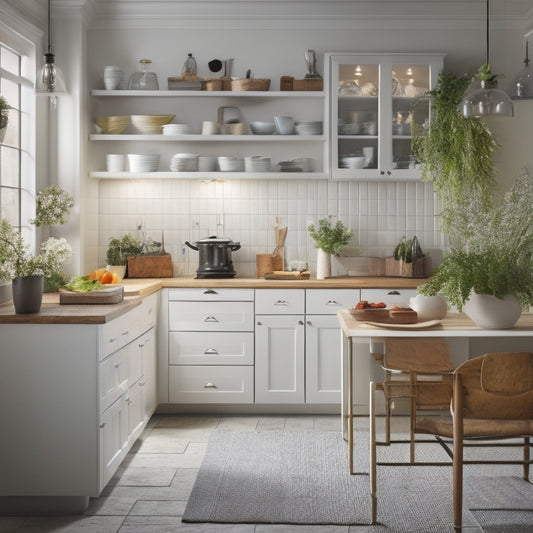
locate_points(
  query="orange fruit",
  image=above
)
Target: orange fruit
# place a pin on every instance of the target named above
(99, 272)
(92, 275)
(107, 278)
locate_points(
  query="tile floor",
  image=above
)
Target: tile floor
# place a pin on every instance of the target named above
(149, 492)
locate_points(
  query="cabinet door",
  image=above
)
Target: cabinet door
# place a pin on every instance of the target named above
(322, 359)
(149, 367)
(136, 418)
(279, 359)
(114, 376)
(374, 106)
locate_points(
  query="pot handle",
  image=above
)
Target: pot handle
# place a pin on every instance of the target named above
(191, 246)
(234, 247)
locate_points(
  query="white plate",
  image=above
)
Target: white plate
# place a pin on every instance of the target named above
(418, 325)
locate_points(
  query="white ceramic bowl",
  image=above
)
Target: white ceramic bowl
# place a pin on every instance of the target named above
(309, 127)
(150, 124)
(257, 163)
(230, 164)
(284, 125)
(353, 161)
(262, 128)
(143, 162)
(184, 163)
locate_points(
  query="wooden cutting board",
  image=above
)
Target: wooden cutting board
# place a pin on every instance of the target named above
(385, 316)
(288, 274)
(109, 295)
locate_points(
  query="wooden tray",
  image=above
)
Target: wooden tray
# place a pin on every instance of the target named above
(385, 316)
(113, 294)
(288, 274)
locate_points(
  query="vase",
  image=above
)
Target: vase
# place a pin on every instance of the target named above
(323, 264)
(429, 307)
(27, 294)
(489, 312)
(119, 270)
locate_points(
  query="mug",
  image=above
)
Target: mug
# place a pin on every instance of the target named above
(210, 128)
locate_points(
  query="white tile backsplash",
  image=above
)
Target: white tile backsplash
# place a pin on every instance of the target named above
(379, 214)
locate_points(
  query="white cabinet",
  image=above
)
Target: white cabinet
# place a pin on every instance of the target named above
(372, 99)
(210, 345)
(193, 107)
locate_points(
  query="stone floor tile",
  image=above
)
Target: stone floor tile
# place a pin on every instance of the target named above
(286, 528)
(187, 421)
(72, 524)
(239, 422)
(192, 458)
(167, 440)
(110, 506)
(327, 422)
(158, 508)
(143, 476)
(271, 423)
(299, 423)
(158, 525)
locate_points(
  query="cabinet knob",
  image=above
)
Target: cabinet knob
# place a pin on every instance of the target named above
(211, 351)
(141, 383)
(211, 319)
(259, 323)
(210, 386)
(112, 340)
(116, 365)
(210, 291)
(300, 322)
(382, 172)
(102, 425)
(389, 172)
(309, 323)
(141, 345)
(281, 302)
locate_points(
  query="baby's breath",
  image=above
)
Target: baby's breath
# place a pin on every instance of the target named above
(53, 204)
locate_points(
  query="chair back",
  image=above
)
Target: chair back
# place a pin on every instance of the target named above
(498, 386)
(425, 356)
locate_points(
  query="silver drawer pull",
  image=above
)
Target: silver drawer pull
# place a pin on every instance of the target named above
(210, 291)
(281, 302)
(116, 365)
(211, 319)
(125, 333)
(141, 345)
(210, 386)
(112, 340)
(211, 351)
(393, 293)
(332, 302)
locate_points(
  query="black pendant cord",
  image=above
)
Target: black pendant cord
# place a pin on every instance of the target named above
(487, 37)
(49, 44)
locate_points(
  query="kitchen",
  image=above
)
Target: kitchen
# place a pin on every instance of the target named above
(88, 36)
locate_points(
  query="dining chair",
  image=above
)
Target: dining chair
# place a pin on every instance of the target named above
(417, 369)
(492, 399)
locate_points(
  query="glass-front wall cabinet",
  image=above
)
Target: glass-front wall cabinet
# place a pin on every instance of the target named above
(375, 106)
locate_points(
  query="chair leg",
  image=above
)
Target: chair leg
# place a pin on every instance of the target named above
(372, 439)
(458, 435)
(412, 415)
(525, 473)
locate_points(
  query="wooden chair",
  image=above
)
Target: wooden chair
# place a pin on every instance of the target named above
(492, 399)
(417, 369)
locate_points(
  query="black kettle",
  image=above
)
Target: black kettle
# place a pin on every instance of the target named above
(215, 257)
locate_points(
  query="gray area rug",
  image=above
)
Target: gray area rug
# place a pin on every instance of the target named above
(302, 478)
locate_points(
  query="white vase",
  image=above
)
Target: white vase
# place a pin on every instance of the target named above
(489, 312)
(119, 270)
(429, 307)
(323, 264)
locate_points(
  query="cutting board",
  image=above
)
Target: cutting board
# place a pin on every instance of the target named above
(109, 295)
(288, 274)
(385, 316)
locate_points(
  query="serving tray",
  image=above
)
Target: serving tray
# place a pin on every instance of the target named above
(109, 295)
(385, 316)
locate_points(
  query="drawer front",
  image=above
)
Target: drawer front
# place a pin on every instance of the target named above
(114, 335)
(329, 301)
(211, 316)
(143, 317)
(211, 384)
(399, 297)
(114, 377)
(211, 295)
(211, 348)
(280, 301)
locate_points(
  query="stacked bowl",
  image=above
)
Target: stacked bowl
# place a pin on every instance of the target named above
(143, 162)
(112, 125)
(184, 163)
(150, 124)
(231, 164)
(309, 127)
(257, 163)
(112, 77)
(177, 129)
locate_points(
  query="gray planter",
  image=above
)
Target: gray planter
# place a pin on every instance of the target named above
(28, 294)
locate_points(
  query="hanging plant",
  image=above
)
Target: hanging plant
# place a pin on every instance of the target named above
(456, 151)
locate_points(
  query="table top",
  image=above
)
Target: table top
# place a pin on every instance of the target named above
(453, 325)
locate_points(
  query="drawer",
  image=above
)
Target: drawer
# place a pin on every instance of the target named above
(391, 297)
(329, 301)
(280, 301)
(211, 295)
(143, 317)
(114, 375)
(211, 316)
(211, 384)
(114, 335)
(211, 348)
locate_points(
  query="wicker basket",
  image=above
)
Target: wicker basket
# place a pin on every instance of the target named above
(212, 85)
(250, 84)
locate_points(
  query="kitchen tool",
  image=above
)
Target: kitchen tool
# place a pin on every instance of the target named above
(385, 316)
(267, 263)
(143, 80)
(287, 274)
(310, 59)
(215, 257)
(281, 234)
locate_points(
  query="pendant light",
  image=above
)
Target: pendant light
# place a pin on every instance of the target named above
(522, 87)
(488, 100)
(50, 81)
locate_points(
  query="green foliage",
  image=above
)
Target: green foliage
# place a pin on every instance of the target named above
(4, 112)
(53, 204)
(484, 73)
(496, 254)
(119, 250)
(403, 250)
(328, 237)
(456, 151)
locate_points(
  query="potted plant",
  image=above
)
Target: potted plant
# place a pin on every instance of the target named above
(493, 263)
(4, 117)
(27, 271)
(118, 251)
(329, 239)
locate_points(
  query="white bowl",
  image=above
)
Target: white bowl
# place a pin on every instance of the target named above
(184, 163)
(353, 161)
(257, 163)
(284, 125)
(262, 128)
(309, 127)
(150, 124)
(230, 164)
(207, 163)
(143, 162)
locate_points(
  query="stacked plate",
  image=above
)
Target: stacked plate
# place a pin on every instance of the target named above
(150, 124)
(184, 163)
(303, 164)
(177, 129)
(112, 125)
(231, 164)
(257, 163)
(349, 129)
(143, 162)
(309, 127)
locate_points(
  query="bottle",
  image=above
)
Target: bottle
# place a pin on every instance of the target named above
(189, 67)
(144, 80)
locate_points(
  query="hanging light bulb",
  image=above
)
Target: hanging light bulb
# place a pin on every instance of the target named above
(50, 80)
(488, 100)
(522, 87)
(358, 71)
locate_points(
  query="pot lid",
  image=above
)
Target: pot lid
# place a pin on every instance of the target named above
(215, 240)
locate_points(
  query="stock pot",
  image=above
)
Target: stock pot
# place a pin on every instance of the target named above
(215, 257)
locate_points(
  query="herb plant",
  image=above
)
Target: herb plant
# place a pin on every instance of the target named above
(456, 151)
(329, 237)
(119, 250)
(53, 204)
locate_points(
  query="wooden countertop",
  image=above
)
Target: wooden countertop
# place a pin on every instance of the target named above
(136, 289)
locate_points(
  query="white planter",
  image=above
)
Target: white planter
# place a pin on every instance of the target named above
(429, 307)
(489, 312)
(323, 264)
(119, 270)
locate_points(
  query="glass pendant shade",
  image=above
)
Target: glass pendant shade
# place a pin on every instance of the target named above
(522, 86)
(486, 101)
(50, 78)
